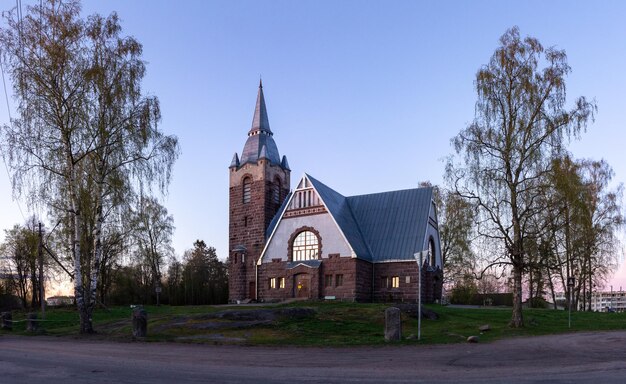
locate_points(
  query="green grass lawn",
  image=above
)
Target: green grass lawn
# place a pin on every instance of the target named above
(334, 324)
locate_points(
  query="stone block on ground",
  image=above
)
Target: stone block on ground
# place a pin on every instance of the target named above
(472, 339)
(484, 328)
(393, 324)
(140, 322)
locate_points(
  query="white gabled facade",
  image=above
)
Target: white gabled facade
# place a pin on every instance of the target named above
(305, 208)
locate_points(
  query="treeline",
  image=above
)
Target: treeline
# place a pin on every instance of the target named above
(131, 269)
(199, 279)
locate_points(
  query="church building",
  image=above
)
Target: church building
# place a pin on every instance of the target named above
(314, 243)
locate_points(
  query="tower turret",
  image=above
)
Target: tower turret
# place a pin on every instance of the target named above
(259, 183)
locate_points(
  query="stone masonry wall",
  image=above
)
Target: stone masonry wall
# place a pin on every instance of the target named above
(249, 221)
(407, 291)
(341, 273)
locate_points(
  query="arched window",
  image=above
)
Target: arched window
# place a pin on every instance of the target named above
(246, 190)
(432, 259)
(305, 246)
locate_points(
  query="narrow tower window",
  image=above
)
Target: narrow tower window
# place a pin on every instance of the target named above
(246, 190)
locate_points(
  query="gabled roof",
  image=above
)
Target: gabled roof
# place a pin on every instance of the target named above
(393, 223)
(388, 226)
(338, 207)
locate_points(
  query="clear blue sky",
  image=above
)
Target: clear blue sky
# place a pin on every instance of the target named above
(363, 95)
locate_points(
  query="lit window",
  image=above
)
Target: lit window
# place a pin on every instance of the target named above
(395, 282)
(338, 280)
(281, 283)
(273, 283)
(246, 190)
(305, 246)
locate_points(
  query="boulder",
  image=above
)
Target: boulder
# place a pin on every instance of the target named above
(472, 339)
(411, 310)
(484, 328)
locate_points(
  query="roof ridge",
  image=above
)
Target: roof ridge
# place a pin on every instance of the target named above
(394, 191)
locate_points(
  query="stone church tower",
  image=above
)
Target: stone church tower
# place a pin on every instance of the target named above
(259, 183)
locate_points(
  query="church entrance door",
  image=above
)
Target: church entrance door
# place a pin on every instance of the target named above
(302, 286)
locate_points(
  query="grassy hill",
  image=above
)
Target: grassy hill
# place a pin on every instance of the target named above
(316, 324)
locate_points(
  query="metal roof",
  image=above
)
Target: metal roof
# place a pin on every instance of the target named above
(393, 223)
(306, 263)
(379, 227)
(340, 210)
(260, 136)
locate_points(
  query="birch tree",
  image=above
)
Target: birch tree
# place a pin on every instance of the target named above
(153, 229)
(520, 123)
(85, 138)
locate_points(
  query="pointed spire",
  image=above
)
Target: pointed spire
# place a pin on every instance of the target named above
(284, 163)
(260, 122)
(235, 162)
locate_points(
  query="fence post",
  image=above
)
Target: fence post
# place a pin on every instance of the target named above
(7, 321)
(140, 322)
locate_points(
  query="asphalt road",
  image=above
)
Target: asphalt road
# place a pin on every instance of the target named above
(577, 358)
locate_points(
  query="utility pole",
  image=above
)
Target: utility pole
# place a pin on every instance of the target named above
(42, 291)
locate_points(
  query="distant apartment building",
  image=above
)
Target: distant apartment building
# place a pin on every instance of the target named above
(603, 301)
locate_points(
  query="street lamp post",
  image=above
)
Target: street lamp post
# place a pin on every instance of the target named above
(418, 257)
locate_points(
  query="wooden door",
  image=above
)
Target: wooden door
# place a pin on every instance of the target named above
(302, 286)
(252, 290)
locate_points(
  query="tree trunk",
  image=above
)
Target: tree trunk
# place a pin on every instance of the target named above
(551, 283)
(83, 307)
(517, 319)
(97, 255)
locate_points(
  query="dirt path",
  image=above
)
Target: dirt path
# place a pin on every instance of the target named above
(577, 358)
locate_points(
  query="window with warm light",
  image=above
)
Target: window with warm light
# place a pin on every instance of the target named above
(273, 283)
(305, 246)
(395, 282)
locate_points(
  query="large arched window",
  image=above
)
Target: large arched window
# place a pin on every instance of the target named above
(246, 190)
(305, 246)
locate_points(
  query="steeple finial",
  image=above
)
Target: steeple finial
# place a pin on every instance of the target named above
(260, 122)
(260, 82)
